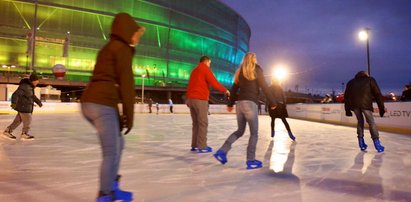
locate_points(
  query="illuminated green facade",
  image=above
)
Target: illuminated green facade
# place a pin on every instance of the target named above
(178, 32)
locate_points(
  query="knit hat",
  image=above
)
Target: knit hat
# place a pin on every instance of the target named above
(33, 77)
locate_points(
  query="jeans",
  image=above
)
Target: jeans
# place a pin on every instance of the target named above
(360, 113)
(106, 120)
(198, 111)
(21, 117)
(247, 112)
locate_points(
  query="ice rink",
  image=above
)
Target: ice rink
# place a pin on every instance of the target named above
(325, 164)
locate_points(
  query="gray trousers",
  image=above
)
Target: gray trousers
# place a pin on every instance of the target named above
(21, 117)
(247, 112)
(199, 116)
(360, 113)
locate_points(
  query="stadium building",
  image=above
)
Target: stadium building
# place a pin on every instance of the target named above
(69, 34)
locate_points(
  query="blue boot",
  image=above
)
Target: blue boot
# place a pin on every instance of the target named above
(221, 156)
(205, 150)
(119, 194)
(362, 144)
(106, 198)
(378, 145)
(193, 149)
(254, 164)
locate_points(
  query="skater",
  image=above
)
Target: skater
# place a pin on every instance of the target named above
(281, 110)
(157, 107)
(359, 95)
(249, 78)
(170, 103)
(150, 104)
(113, 82)
(22, 101)
(406, 94)
(198, 92)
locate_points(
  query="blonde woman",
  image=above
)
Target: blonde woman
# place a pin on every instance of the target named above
(249, 78)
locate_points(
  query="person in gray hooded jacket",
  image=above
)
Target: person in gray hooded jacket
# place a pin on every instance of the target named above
(22, 101)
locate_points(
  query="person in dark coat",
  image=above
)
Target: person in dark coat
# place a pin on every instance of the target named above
(359, 95)
(406, 94)
(22, 101)
(281, 110)
(113, 83)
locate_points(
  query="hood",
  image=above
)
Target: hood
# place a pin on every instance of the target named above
(26, 81)
(361, 74)
(124, 27)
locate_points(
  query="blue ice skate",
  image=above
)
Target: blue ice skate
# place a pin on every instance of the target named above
(119, 194)
(221, 156)
(362, 144)
(378, 146)
(205, 150)
(193, 149)
(106, 198)
(254, 164)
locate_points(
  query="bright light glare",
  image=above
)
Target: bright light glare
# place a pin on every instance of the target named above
(280, 73)
(143, 75)
(363, 35)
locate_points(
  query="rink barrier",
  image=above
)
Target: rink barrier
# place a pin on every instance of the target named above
(396, 119)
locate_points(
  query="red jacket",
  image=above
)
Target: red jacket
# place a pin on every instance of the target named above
(199, 84)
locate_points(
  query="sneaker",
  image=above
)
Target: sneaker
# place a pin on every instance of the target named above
(8, 135)
(25, 136)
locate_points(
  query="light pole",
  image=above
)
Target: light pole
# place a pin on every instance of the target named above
(364, 36)
(142, 88)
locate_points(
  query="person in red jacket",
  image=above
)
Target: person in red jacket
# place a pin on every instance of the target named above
(198, 92)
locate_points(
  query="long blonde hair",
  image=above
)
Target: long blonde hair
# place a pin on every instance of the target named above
(248, 67)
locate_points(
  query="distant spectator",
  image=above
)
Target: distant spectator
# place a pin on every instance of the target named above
(170, 103)
(327, 99)
(157, 107)
(406, 94)
(150, 104)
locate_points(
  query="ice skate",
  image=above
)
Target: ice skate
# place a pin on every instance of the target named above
(378, 146)
(26, 136)
(221, 156)
(193, 149)
(205, 150)
(119, 194)
(7, 134)
(254, 164)
(272, 134)
(291, 135)
(361, 144)
(106, 198)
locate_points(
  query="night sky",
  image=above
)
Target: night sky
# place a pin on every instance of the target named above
(318, 40)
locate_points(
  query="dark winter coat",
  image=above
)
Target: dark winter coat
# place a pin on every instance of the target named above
(406, 95)
(249, 90)
(281, 110)
(23, 98)
(360, 93)
(113, 79)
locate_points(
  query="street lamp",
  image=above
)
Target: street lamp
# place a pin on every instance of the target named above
(364, 36)
(142, 88)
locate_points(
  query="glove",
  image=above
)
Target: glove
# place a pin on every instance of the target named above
(123, 124)
(13, 105)
(382, 112)
(348, 113)
(41, 104)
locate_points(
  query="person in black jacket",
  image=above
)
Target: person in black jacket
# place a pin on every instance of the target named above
(281, 110)
(406, 94)
(22, 101)
(249, 78)
(359, 95)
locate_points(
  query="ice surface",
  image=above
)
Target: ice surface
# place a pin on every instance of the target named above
(325, 164)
